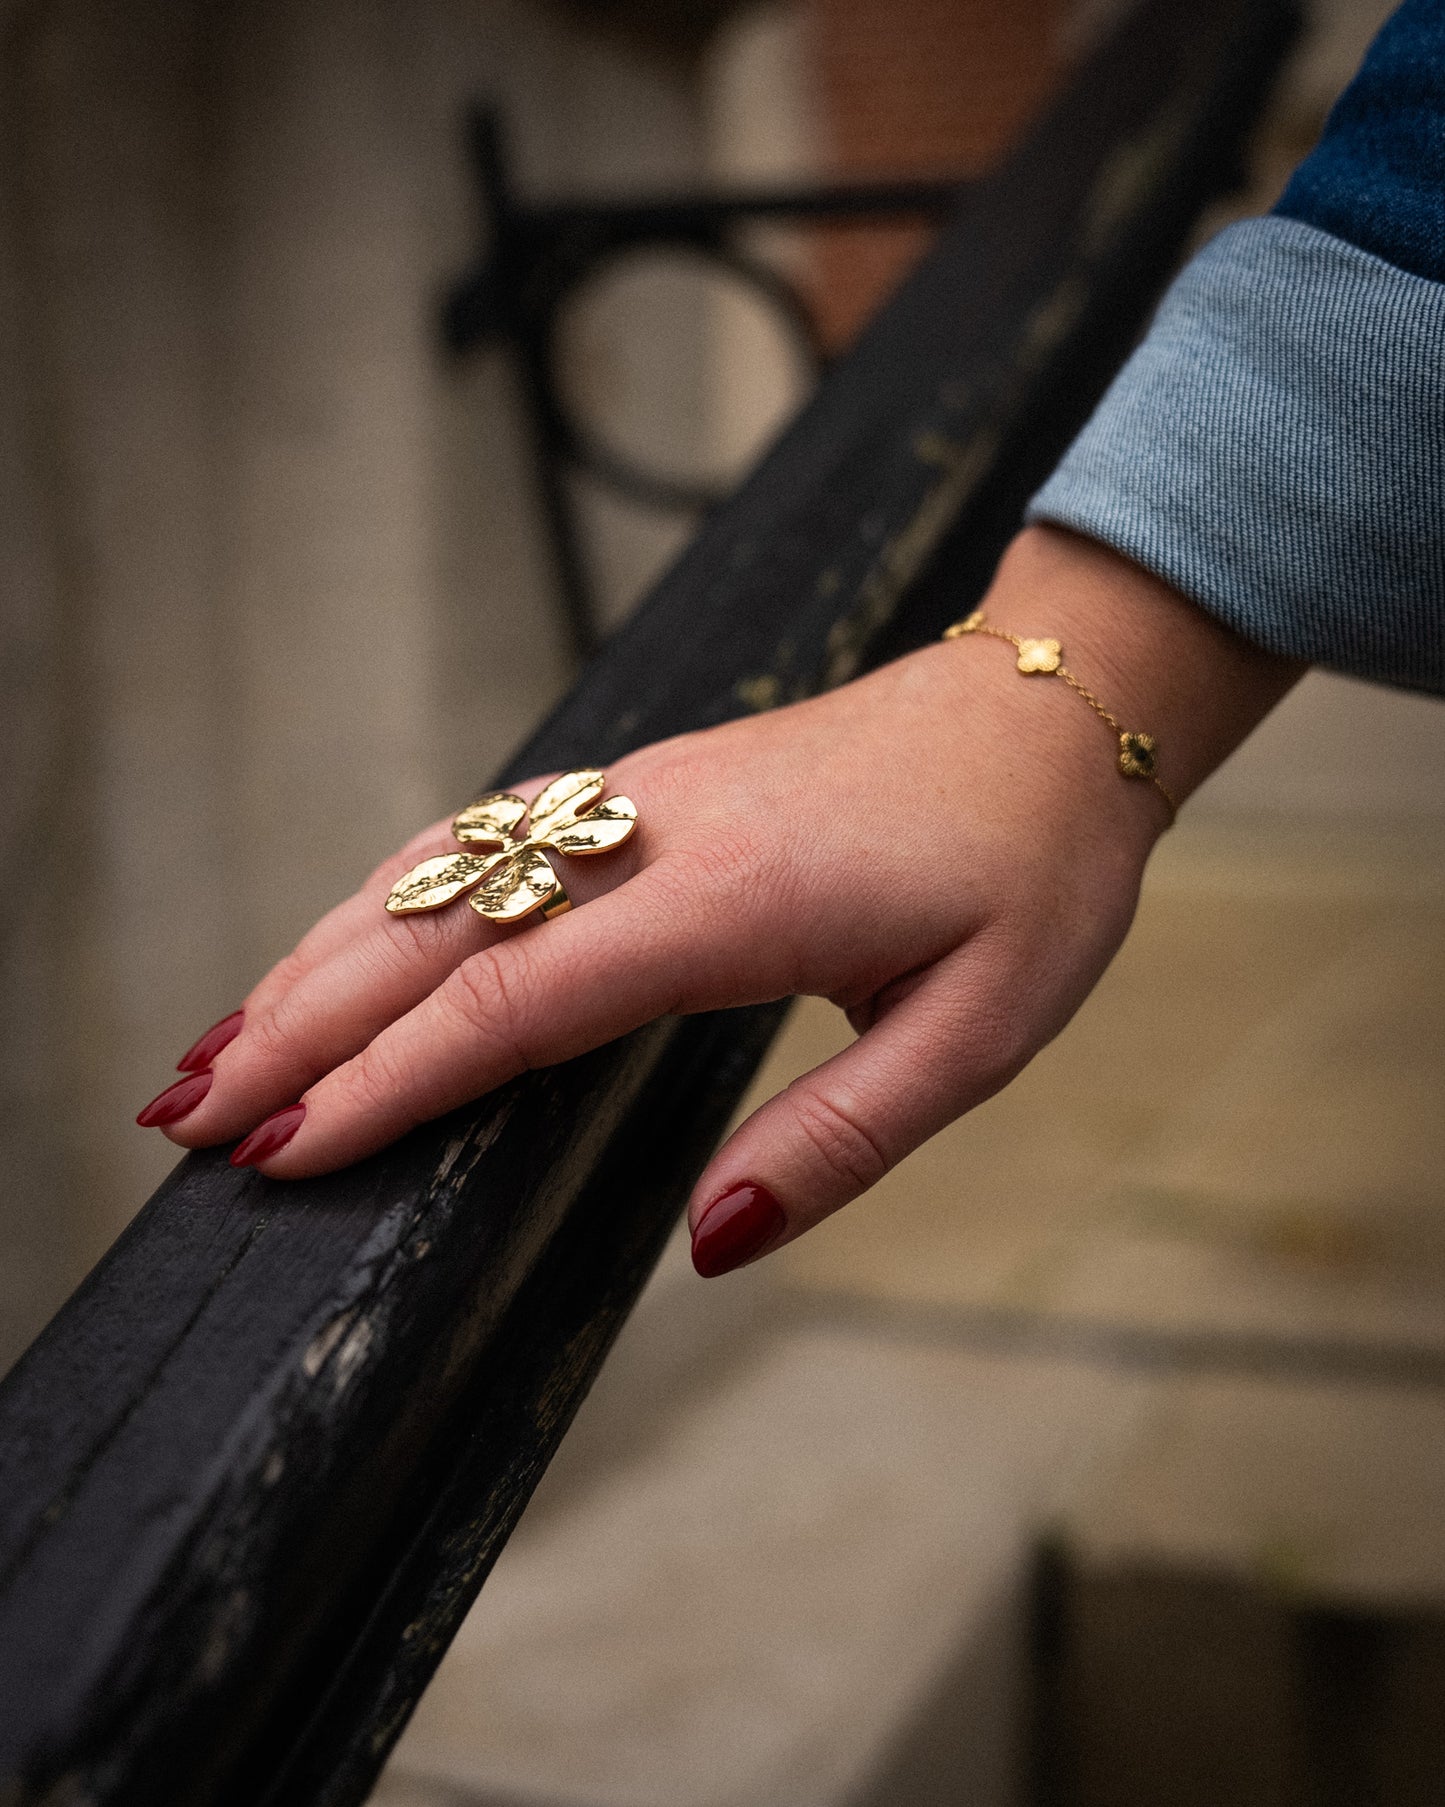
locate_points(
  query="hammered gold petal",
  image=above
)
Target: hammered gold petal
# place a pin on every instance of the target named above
(491, 819)
(436, 882)
(523, 882)
(563, 800)
(599, 831)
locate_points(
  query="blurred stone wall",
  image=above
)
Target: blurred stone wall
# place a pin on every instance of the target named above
(271, 590)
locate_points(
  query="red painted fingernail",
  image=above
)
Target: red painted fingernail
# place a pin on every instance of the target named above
(219, 1035)
(734, 1228)
(269, 1136)
(176, 1101)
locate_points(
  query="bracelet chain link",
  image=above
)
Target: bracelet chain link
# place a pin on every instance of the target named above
(1138, 753)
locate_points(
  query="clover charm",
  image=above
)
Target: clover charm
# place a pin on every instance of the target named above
(1040, 655)
(516, 877)
(1137, 755)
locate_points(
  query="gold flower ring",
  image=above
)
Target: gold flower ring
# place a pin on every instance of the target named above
(516, 877)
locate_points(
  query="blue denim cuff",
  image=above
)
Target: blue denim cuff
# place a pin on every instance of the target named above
(1275, 449)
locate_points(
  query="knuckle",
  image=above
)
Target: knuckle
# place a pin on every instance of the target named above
(273, 1042)
(488, 995)
(714, 873)
(1002, 1045)
(371, 1081)
(289, 970)
(1001, 1009)
(671, 883)
(736, 860)
(840, 1139)
(664, 772)
(409, 940)
(987, 1043)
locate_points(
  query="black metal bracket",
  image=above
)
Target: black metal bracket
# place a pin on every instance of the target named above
(534, 260)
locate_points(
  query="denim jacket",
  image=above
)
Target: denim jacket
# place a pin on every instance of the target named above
(1275, 448)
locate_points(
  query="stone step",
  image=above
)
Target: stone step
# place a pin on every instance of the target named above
(1248, 1606)
(806, 1587)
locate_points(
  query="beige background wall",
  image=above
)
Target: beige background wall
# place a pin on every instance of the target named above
(273, 594)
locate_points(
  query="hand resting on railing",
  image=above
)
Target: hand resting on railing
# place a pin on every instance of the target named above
(945, 849)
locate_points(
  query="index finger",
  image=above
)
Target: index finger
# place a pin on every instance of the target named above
(539, 997)
(376, 967)
(341, 924)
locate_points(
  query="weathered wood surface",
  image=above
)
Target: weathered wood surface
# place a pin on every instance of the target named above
(255, 1471)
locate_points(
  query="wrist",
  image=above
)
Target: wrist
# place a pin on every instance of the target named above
(1152, 657)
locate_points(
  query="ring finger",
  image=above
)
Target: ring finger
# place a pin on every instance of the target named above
(380, 966)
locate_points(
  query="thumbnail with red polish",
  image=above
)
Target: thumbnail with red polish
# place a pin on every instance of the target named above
(176, 1101)
(269, 1136)
(734, 1228)
(218, 1036)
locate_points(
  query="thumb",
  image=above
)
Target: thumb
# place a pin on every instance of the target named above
(837, 1130)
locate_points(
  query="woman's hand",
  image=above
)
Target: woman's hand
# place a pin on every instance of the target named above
(945, 849)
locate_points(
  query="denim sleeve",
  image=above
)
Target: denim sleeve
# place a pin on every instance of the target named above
(1275, 448)
(1377, 176)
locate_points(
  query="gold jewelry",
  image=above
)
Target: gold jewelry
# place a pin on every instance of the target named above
(516, 878)
(1137, 752)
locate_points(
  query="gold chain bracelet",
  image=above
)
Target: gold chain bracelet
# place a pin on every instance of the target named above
(1138, 755)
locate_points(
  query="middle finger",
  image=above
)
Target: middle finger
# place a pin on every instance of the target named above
(331, 1012)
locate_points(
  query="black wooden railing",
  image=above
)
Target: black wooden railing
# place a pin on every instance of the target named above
(255, 1471)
